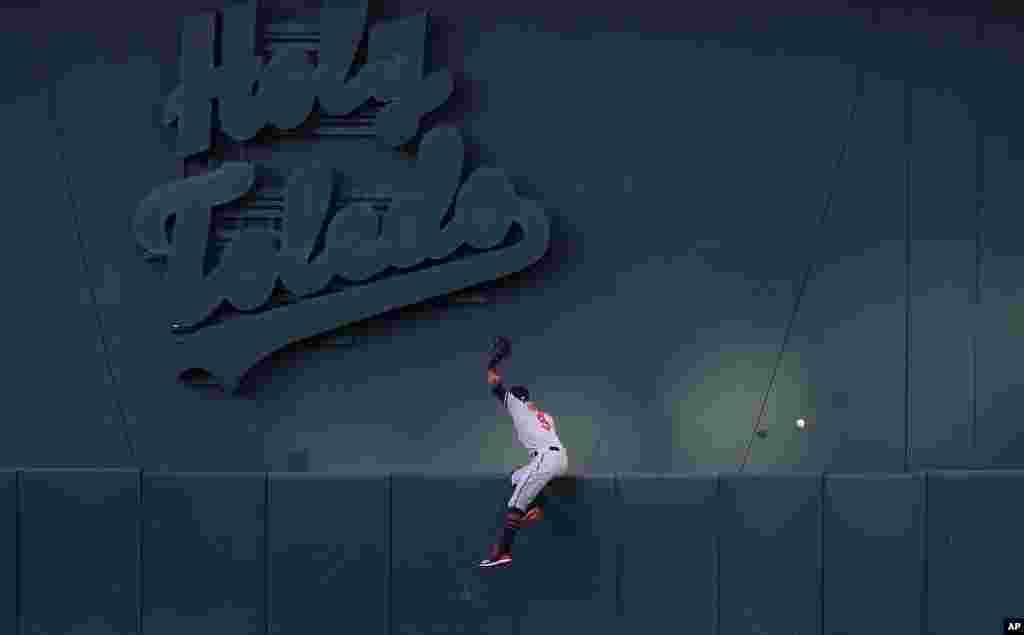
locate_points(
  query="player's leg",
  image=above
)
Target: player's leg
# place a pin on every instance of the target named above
(522, 496)
(533, 510)
(531, 483)
(523, 506)
(554, 466)
(517, 475)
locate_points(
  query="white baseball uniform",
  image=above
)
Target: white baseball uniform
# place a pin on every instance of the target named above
(536, 431)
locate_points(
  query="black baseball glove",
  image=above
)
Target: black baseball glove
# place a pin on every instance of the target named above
(499, 351)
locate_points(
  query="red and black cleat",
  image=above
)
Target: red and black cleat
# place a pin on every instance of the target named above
(497, 560)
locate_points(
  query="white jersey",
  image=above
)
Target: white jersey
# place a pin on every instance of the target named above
(535, 428)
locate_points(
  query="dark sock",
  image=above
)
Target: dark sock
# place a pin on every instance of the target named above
(513, 521)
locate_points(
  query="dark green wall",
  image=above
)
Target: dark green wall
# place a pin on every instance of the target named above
(237, 553)
(695, 164)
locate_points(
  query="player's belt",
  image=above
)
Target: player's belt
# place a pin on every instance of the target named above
(553, 448)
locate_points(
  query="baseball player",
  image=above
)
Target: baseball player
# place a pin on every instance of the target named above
(548, 460)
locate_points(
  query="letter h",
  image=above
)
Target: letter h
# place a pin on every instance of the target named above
(227, 75)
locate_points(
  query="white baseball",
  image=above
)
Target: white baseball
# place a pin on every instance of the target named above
(800, 423)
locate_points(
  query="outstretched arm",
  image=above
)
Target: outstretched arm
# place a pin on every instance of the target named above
(497, 387)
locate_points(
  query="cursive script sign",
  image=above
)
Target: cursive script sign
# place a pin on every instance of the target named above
(339, 254)
(283, 92)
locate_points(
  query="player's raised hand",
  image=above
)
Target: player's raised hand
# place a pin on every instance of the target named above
(500, 349)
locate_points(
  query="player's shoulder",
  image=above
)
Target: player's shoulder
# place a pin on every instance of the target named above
(515, 405)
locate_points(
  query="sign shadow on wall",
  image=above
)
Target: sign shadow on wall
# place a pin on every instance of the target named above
(314, 192)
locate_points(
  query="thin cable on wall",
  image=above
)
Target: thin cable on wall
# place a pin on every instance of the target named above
(826, 209)
(106, 350)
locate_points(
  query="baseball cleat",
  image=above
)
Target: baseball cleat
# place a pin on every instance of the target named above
(498, 560)
(532, 516)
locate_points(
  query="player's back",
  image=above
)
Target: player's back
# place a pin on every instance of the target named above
(534, 427)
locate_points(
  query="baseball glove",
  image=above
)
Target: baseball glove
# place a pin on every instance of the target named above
(501, 349)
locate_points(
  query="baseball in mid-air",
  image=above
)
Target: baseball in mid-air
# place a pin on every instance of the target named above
(800, 423)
